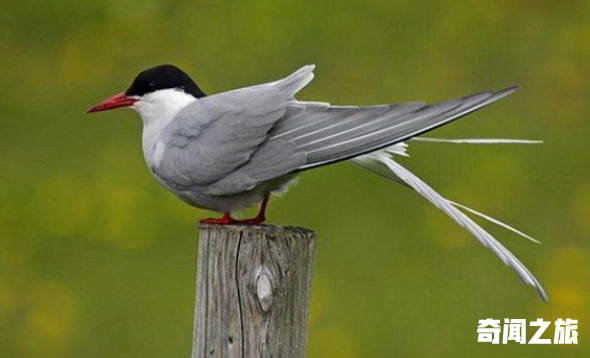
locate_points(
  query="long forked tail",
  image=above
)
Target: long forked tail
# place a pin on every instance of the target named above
(382, 163)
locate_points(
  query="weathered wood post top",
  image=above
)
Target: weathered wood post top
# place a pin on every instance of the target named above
(253, 291)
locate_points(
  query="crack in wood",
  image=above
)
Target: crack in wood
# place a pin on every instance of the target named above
(237, 273)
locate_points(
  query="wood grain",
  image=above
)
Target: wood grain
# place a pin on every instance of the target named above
(253, 291)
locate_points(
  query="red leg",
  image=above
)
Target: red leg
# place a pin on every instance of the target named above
(260, 218)
(225, 220)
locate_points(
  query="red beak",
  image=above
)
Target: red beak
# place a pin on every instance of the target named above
(117, 101)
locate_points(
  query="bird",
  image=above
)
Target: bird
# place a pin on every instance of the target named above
(233, 150)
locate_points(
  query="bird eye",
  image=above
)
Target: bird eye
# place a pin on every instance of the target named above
(151, 85)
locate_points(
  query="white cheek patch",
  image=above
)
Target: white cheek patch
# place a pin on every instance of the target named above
(161, 106)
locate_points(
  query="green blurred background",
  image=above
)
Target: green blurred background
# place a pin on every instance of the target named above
(97, 260)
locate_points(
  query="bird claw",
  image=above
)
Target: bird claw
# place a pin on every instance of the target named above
(228, 220)
(254, 221)
(225, 220)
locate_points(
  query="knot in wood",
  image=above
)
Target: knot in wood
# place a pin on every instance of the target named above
(264, 288)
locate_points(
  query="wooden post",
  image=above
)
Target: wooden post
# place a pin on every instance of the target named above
(253, 291)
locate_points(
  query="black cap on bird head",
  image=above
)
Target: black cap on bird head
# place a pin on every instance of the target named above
(163, 77)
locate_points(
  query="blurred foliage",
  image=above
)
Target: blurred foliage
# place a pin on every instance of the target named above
(97, 260)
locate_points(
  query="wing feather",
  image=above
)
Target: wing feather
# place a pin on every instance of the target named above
(381, 132)
(215, 136)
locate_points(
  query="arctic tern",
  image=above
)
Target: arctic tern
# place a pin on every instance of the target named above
(233, 150)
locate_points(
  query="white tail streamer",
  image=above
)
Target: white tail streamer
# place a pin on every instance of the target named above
(381, 163)
(495, 221)
(476, 140)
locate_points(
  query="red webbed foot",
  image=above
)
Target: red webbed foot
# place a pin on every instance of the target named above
(254, 221)
(228, 220)
(225, 220)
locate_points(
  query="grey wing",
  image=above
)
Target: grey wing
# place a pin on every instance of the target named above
(364, 130)
(314, 134)
(214, 136)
